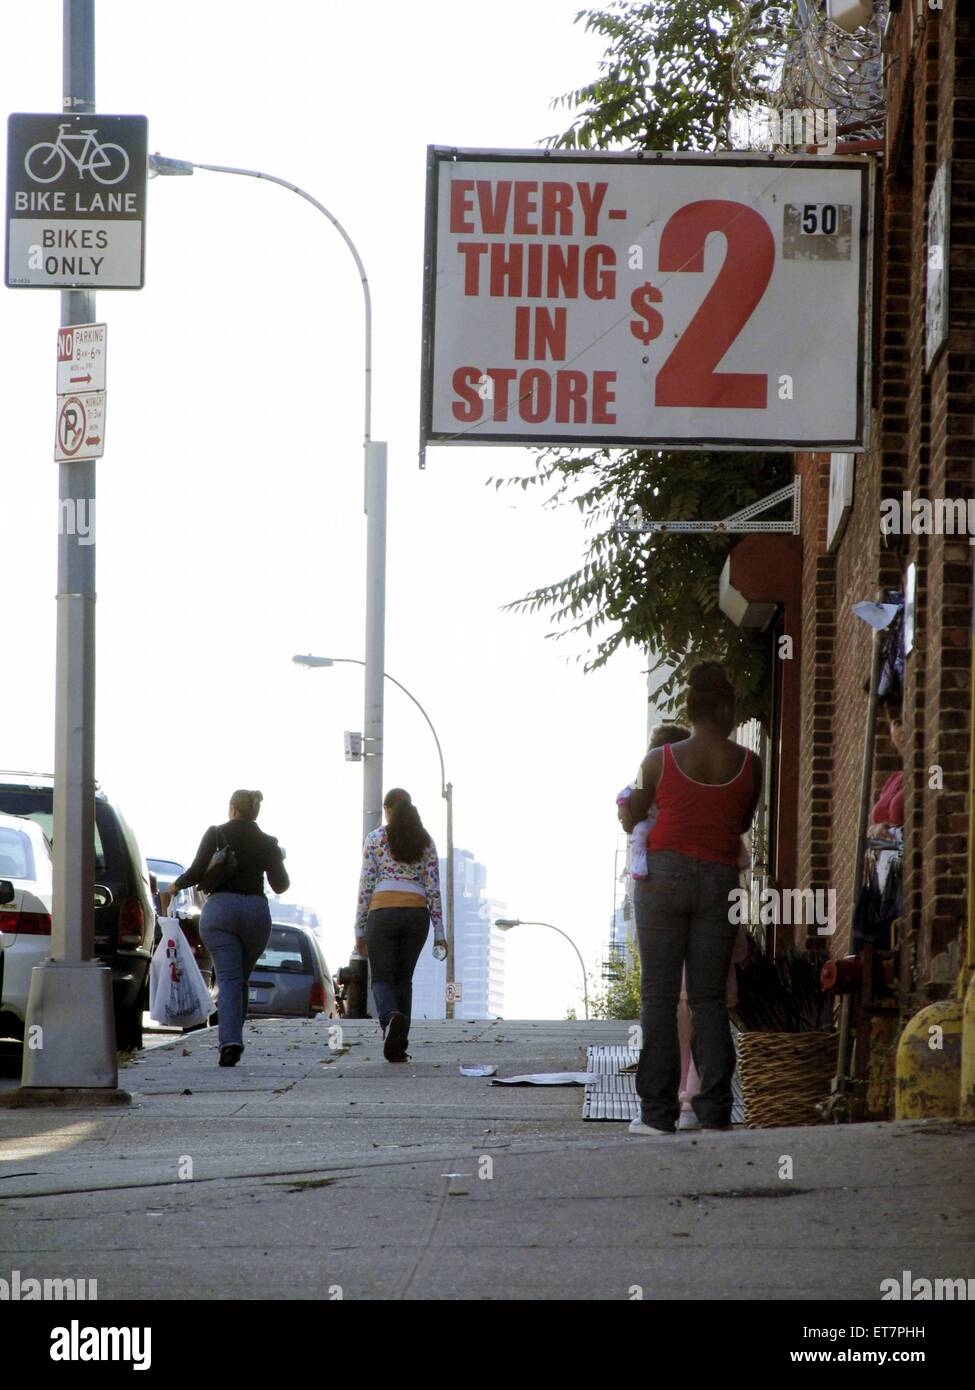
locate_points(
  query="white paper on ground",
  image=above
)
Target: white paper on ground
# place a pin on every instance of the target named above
(484, 1069)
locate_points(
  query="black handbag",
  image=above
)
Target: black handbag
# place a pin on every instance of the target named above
(222, 865)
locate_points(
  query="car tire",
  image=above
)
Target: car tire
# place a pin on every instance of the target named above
(128, 1027)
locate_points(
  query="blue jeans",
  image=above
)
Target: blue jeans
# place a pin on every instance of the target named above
(683, 918)
(234, 928)
(394, 940)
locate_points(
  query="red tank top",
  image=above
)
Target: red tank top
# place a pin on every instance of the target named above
(698, 819)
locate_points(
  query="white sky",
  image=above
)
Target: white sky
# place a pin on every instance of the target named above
(230, 525)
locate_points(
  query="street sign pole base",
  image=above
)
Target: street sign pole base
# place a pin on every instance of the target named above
(69, 1035)
(66, 1097)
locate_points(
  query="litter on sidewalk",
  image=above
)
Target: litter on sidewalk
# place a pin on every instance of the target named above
(546, 1078)
(478, 1069)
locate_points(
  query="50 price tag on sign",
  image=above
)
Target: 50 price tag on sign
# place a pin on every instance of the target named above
(692, 301)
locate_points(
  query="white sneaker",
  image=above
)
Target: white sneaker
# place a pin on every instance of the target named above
(638, 1127)
(688, 1120)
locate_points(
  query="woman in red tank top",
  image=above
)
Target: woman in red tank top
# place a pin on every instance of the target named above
(706, 789)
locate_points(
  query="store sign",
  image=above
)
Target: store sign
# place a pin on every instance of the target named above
(76, 202)
(682, 300)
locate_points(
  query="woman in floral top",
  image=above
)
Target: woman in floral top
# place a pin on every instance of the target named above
(399, 896)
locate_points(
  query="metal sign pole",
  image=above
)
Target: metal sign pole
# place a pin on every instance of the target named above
(70, 1033)
(372, 729)
(449, 905)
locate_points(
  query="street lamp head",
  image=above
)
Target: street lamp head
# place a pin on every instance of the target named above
(311, 661)
(162, 164)
(506, 923)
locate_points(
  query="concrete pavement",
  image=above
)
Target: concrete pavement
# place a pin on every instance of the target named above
(304, 1173)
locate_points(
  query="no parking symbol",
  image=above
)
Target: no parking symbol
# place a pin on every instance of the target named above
(81, 427)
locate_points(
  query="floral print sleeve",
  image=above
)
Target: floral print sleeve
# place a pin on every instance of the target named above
(378, 865)
(431, 884)
(367, 882)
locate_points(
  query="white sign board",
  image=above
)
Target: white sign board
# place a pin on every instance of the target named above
(455, 992)
(682, 300)
(936, 285)
(840, 497)
(80, 430)
(81, 358)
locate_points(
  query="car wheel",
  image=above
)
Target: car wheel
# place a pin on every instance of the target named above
(128, 1027)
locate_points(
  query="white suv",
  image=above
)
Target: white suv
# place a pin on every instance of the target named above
(26, 885)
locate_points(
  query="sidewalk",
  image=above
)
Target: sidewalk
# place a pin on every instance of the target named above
(313, 1172)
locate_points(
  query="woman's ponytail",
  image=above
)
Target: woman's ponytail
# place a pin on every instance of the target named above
(405, 831)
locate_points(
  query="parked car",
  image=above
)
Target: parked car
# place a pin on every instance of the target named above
(125, 916)
(188, 906)
(26, 887)
(291, 978)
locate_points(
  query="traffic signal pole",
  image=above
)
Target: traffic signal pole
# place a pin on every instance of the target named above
(70, 1031)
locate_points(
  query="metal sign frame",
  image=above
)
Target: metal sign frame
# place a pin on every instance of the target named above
(481, 433)
(78, 183)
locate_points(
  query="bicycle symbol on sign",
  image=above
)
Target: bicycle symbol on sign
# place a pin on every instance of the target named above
(47, 161)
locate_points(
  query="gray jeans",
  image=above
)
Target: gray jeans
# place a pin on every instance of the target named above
(235, 928)
(683, 919)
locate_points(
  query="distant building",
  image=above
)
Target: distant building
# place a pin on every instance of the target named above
(621, 947)
(293, 912)
(478, 950)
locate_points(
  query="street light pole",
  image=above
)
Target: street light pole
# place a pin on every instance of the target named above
(506, 923)
(446, 791)
(374, 505)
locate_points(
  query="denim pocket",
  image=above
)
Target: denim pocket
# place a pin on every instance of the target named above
(665, 866)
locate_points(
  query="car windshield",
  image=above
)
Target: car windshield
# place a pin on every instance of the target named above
(37, 804)
(165, 868)
(16, 857)
(166, 871)
(286, 952)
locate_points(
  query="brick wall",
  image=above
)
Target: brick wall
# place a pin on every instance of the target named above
(943, 108)
(816, 764)
(922, 440)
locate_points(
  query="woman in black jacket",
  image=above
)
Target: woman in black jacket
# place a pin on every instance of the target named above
(236, 922)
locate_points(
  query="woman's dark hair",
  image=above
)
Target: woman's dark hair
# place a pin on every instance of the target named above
(668, 733)
(709, 691)
(247, 804)
(405, 831)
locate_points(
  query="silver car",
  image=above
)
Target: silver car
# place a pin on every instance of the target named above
(291, 978)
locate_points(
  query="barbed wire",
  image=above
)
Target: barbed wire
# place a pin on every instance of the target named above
(824, 69)
(827, 67)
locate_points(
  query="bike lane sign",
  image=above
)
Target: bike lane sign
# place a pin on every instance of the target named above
(76, 201)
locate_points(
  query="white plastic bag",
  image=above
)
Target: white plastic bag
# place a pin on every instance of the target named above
(178, 996)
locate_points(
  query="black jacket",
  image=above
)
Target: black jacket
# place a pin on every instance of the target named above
(257, 854)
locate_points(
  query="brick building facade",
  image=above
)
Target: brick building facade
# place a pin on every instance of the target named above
(922, 441)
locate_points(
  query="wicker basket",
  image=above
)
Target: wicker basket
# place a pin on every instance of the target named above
(784, 1076)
